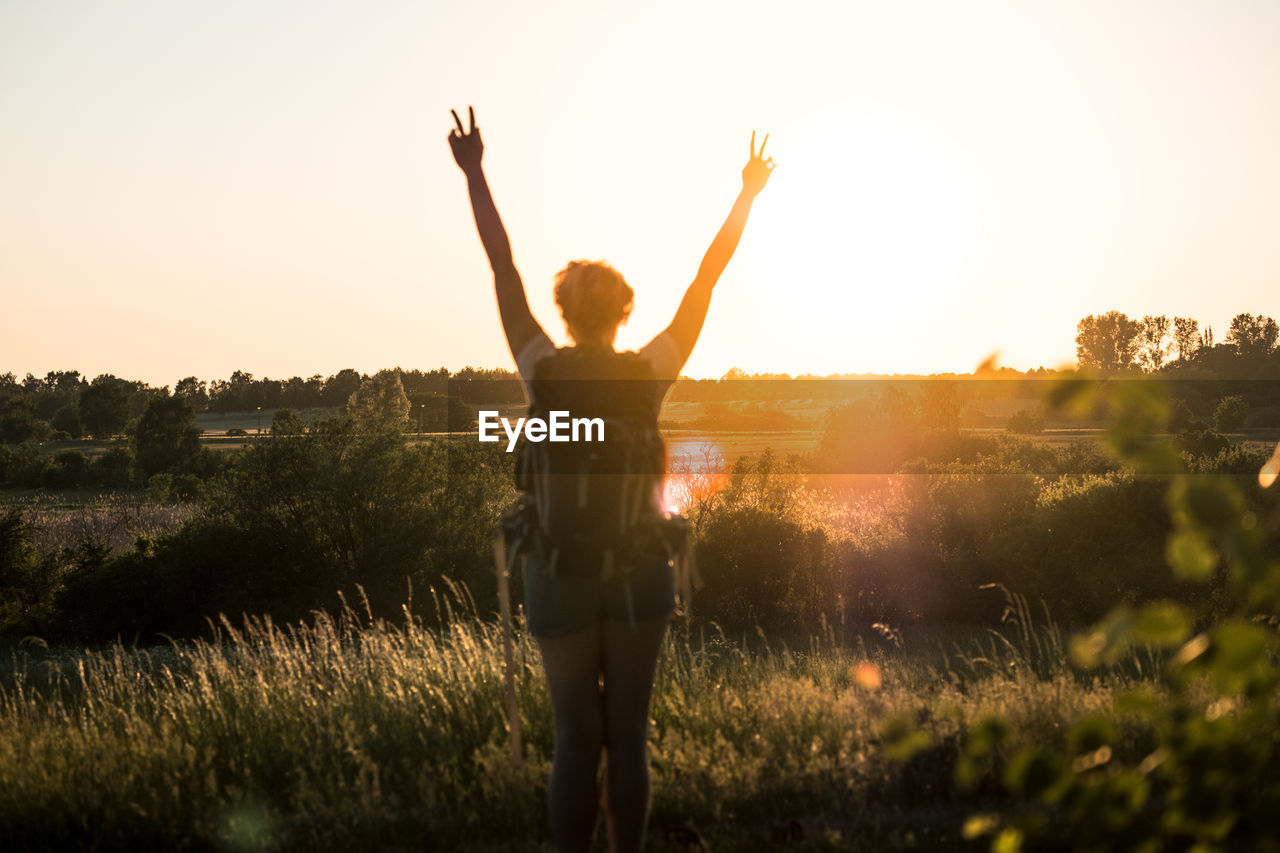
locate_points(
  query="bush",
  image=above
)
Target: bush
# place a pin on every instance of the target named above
(1202, 773)
(1203, 443)
(1026, 422)
(113, 469)
(760, 569)
(31, 581)
(1230, 414)
(67, 470)
(27, 465)
(1093, 541)
(296, 518)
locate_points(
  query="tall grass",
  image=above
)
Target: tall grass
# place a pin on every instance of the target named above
(115, 521)
(352, 733)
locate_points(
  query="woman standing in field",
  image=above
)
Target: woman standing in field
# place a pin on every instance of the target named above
(597, 609)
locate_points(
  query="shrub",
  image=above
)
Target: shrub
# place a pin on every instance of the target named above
(67, 470)
(30, 580)
(1203, 774)
(294, 519)
(1230, 413)
(113, 469)
(760, 569)
(27, 465)
(1026, 422)
(1094, 540)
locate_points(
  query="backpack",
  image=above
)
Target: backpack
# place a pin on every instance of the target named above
(598, 496)
(595, 506)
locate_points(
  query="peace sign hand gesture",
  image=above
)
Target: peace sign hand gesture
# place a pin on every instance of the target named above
(466, 145)
(756, 173)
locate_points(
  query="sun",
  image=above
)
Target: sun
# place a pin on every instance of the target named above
(867, 225)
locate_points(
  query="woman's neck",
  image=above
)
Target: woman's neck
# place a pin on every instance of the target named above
(599, 342)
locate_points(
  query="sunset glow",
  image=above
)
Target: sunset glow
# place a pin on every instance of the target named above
(243, 186)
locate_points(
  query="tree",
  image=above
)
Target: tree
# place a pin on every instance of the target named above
(167, 439)
(64, 381)
(339, 387)
(940, 407)
(1253, 336)
(194, 390)
(380, 400)
(1154, 347)
(67, 419)
(1185, 338)
(287, 422)
(104, 406)
(1107, 342)
(243, 393)
(19, 421)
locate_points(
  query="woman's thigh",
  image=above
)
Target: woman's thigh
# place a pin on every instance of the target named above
(573, 663)
(630, 661)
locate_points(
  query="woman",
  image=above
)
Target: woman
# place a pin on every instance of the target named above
(599, 651)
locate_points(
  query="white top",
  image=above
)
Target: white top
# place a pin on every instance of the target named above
(662, 354)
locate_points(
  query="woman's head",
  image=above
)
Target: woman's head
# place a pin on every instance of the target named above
(594, 300)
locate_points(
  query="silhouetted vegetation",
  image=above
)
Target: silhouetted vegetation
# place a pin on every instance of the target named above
(296, 518)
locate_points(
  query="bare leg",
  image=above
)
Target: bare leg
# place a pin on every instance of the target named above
(573, 666)
(630, 660)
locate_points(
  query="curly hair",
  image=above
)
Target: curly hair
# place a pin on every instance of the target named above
(593, 297)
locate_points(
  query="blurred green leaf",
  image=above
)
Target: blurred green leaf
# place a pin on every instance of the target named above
(1236, 650)
(1162, 624)
(1190, 555)
(1037, 773)
(979, 825)
(1008, 841)
(1106, 641)
(1209, 502)
(983, 740)
(1137, 702)
(1094, 731)
(1157, 457)
(1077, 393)
(901, 737)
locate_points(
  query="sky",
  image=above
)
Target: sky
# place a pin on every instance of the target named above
(197, 188)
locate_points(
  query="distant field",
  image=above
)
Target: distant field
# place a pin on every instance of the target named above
(220, 422)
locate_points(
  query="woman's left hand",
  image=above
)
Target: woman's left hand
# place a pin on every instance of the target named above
(756, 173)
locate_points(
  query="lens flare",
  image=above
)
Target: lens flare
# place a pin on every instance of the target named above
(1270, 470)
(867, 675)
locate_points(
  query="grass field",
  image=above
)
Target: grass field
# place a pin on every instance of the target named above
(344, 735)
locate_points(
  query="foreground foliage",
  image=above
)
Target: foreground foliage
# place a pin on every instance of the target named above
(351, 733)
(1207, 777)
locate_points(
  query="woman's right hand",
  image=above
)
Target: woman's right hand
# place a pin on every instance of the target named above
(756, 173)
(466, 145)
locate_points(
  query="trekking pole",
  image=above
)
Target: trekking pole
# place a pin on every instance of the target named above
(508, 646)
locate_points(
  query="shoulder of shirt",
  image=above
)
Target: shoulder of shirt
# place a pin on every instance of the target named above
(538, 348)
(663, 356)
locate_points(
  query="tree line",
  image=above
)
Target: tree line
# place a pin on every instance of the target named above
(63, 404)
(1115, 343)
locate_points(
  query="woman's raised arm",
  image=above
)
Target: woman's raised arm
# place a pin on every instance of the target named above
(687, 325)
(513, 307)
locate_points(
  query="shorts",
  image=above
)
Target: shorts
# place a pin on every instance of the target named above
(575, 599)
